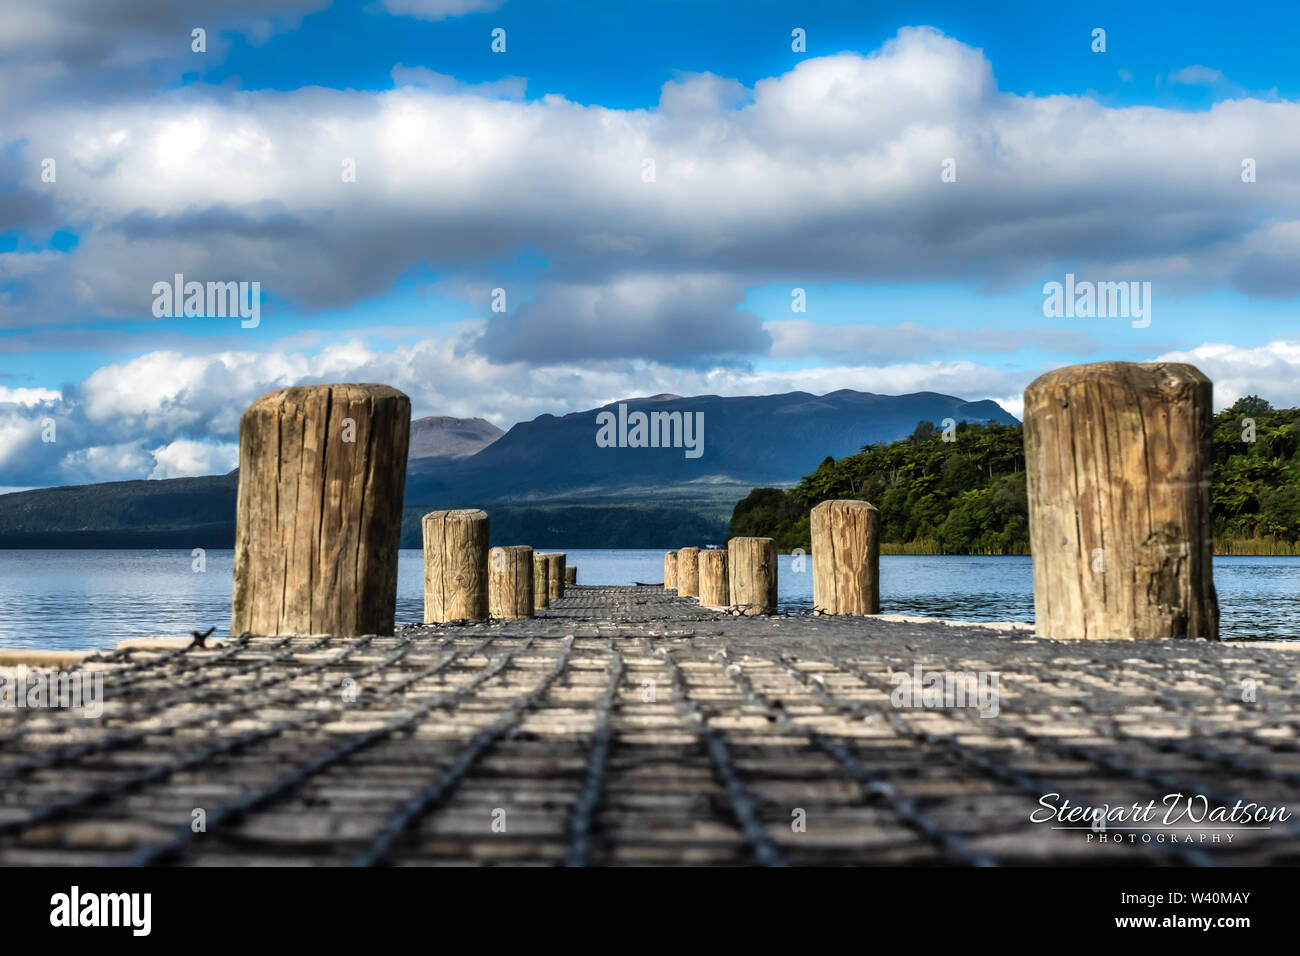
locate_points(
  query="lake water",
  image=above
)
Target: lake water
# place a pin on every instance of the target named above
(93, 599)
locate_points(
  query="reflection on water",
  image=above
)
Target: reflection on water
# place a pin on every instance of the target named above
(93, 599)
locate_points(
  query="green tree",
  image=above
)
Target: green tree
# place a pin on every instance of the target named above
(969, 495)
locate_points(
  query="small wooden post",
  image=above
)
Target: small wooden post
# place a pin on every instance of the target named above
(455, 566)
(570, 575)
(319, 515)
(688, 572)
(715, 589)
(670, 570)
(541, 577)
(751, 567)
(555, 575)
(1118, 463)
(846, 557)
(510, 582)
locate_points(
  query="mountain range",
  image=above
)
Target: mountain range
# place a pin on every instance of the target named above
(440, 436)
(548, 482)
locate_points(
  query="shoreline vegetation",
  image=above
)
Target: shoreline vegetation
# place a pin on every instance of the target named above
(962, 490)
(1247, 548)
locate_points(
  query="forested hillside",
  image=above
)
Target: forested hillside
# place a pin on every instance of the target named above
(967, 495)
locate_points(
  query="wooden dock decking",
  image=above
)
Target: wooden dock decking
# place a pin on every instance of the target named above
(627, 726)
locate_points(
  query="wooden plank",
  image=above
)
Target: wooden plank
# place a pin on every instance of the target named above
(35, 657)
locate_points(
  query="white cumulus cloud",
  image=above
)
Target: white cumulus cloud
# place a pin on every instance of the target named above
(828, 172)
(1271, 371)
(185, 459)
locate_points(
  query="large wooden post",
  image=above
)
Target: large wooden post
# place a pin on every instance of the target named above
(570, 575)
(510, 582)
(751, 568)
(670, 570)
(846, 557)
(1118, 463)
(688, 572)
(319, 515)
(455, 566)
(715, 589)
(555, 575)
(541, 581)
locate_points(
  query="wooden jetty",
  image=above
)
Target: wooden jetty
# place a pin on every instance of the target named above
(625, 725)
(535, 720)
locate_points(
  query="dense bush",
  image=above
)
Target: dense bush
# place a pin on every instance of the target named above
(968, 495)
(1256, 490)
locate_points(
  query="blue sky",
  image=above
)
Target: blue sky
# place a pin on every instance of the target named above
(619, 55)
(775, 169)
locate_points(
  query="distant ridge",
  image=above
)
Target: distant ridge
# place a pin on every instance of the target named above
(547, 480)
(441, 436)
(748, 440)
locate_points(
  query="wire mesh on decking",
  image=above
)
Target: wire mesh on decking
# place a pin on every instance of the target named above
(629, 727)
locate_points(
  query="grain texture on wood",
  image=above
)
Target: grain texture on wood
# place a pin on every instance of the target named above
(1119, 466)
(322, 469)
(715, 589)
(541, 581)
(846, 557)
(688, 572)
(670, 570)
(751, 569)
(510, 582)
(455, 566)
(555, 575)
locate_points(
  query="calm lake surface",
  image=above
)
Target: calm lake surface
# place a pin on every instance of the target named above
(93, 599)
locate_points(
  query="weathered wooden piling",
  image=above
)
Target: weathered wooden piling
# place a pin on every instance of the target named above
(688, 572)
(455, 566)
(570, 574)
(541, 581)
(510, 582)
(751, 571)
(670, 569)
(1118, 463)
(555, 575)
(715, 589)
(846, 557)
(322, 469)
